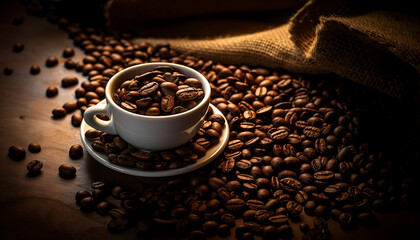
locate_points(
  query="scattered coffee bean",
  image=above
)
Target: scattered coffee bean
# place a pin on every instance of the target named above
(87, 204)
(76, 119)
(81, 194)
(34, 148)
(51, 62)
(67, 171)
(17, 152)
(68, 52)
(69, 81)
(51, 91)
(35, 69)
(59, 112)
(18, 47)
(76, 151)
(34, 166)
(8, 70)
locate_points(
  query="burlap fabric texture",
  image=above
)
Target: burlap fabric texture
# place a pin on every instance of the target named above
(377, 48)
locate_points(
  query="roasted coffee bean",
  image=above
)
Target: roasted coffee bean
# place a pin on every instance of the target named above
(197, 235)
(34, 166)
(228, 219)
(18, 47)
(216, 183)
(149, 89)
(255, 204)
(70, 106)
(310, 207)
(87, 204)
(129, 106)
(235, 204)
(76, 119)
(68, 52)
(244, 178)
(210, 227)
(8, 70)
(35, 69)
(321, 211)
(76, 151)
(301, 197)
(70, 64)
(17, 152)
(51, 91)
(81, 194)
(278, 220)
(34, 148)
(304, 227)
(290, 184)
(103, 208)
(324, 175)
(69, 81)
(51, 61)
(235, 145)
(67, 171)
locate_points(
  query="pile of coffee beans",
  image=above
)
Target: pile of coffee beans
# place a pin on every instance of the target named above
(120, 153)
(298, 145)
(162, 91)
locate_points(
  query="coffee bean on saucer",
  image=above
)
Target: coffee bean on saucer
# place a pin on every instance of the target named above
(35, 69)
(34, 148)
(18, 47)
(67, 170)
(51, 62)
(76, 151)
(34, 166)
(17, 152)
(8, 70)
(51, 91)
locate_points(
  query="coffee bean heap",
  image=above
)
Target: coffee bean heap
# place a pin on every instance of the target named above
(162, 91)
(120, 153)
(295, 145)
(298, 145)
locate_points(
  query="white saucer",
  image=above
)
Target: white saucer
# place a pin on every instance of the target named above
(211, 154)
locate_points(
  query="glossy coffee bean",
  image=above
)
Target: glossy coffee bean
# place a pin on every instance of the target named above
(76, 151)
(17, 152)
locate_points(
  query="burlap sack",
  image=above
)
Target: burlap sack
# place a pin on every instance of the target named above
(377, 48)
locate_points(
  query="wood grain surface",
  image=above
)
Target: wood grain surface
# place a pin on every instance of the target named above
(43, 207)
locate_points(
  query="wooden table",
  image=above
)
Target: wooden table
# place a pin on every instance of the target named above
(43, 207)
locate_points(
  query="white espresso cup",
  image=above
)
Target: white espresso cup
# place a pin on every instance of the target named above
(152, 133)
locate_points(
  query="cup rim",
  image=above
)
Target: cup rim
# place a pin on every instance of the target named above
(203, 80)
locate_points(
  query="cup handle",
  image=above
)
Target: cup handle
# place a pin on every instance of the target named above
(93, 121)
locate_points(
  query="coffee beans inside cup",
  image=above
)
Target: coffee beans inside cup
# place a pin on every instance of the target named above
(163, 91)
